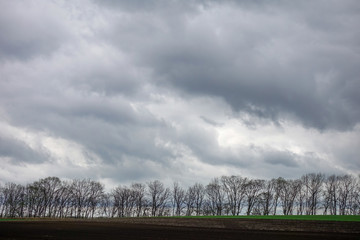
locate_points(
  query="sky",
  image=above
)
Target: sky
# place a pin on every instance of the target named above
(131, 91)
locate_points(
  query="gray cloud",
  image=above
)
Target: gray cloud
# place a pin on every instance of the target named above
(29, 29)
(269, 61)
(284, 158)
(19, 152)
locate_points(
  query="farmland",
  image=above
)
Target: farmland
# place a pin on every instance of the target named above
(178, 228)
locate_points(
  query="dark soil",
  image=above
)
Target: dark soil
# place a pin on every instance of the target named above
(172, 228)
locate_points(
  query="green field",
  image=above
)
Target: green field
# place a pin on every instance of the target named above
(349, 218)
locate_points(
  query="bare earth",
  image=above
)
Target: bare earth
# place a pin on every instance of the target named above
(174, 228)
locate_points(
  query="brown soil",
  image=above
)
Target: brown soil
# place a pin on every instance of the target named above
(171, 228)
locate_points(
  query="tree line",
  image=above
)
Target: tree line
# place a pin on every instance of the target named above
(312, 194)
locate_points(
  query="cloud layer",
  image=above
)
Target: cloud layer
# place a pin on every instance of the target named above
(124, 91)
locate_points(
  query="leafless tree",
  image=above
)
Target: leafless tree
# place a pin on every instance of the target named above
(235, 189)
(277, 192)
(139, 191)
(105, 205)
(215, 197)
(198, 190)
(14, 200)
(86, 195)
(289, 190)
(2, 201)
(64, 200)
(267, 198)
(312, 186)
(345, 195)
(253, 188)
(158, 196)
(124, 201)
(189, 201)
(49, 187)
(178, 199)
(35, 200)
(51, 197)
(96, 194)
(330, 198)
(356, 208)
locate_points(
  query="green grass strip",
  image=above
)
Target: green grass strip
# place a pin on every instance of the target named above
(8, 219)
(348, 218)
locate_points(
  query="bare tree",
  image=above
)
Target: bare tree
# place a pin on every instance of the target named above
(85, 194)
(330, 199)
(64, 200)
(49, 187)
(267, 198)
(2, 201)
(289, 190)
(35, 200)
(253, 188)
(235, 189)
(139, 197)
(124, 201)
(198, 190)
(105, 205)
(14, 200)
(96, 194)
(51, 197)
(189, 201)
(345, 194)
(312, 186)
(158, 195)
(300, 198)
(178, 199)
(356, 208)
(215, 197)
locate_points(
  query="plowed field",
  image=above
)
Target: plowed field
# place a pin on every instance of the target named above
(175, 228)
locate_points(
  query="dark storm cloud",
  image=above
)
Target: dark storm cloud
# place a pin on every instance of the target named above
(19, 152)
(284, 158)
(28, 29)
(154, 5)
(272, 59)
(209, 121)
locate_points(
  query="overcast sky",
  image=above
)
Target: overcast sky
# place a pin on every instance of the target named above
(131, 91)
